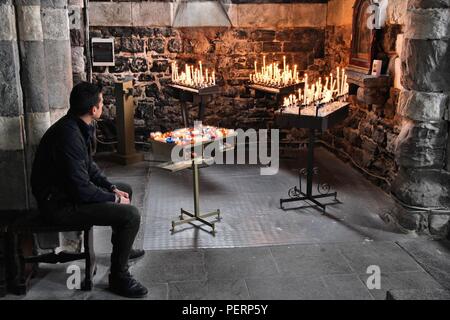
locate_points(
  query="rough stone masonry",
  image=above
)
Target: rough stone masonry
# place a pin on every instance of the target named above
(422, 146)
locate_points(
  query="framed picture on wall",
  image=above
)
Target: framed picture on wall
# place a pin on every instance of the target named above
(103, 52)
(364, 37)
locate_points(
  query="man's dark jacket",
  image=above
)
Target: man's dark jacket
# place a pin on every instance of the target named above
(64, 172)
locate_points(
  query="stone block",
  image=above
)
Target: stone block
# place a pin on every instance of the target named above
(422, 144)
(418, 294)
(201, 14)
(309, 15)
(370, 96)
(428, 24)
(131, 44)
(76, 38)
(426, 65)
(423, 106)
(396, 11)
(78, 64)
(272, 46)
(59, 72)
(151, 13)
(423, 188)
(427, 4)
(368, 81)
(121, 64)
(55, 25)
(34, 79)
(175, 46)
(264, 15)
(263, 35)
(11, 133)
(160, 65)
(439, 224)
(29, 21)
(7, 23)
(11, 92)
(138, 64)
(369, 145)
(110, 14)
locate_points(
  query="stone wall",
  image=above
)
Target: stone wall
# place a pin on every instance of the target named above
(146, 55)
(368, 136)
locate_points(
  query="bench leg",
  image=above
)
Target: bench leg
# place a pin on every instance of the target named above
(90, 266)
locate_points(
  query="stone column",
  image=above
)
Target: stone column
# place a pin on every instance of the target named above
(13, 182)
(423, 180)
(33, 72)
(77, 40)
(55, 27)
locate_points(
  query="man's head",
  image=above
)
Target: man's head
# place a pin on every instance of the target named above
(86, 99)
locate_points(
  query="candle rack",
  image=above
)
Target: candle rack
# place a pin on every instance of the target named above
(261, 91)
(196, 95)
(314, 123)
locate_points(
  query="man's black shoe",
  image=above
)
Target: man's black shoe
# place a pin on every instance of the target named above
(136, 253)
(126, 286)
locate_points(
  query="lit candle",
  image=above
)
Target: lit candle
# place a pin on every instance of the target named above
(338, 81)
(306, 89)
(214, 78)
(284, 63)
(264, 63)
(256, 68)
(295, 72)
(201, 70)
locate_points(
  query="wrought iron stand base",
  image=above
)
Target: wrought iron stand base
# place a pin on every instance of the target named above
(313, 199)
(196, 216)
(323, 189)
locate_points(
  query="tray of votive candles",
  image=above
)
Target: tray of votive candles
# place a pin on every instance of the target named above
(195, 80)
(272, 78)
(187, 139)
(318, 106)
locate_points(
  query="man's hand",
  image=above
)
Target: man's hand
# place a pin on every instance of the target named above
(121, 193)
(124, 200)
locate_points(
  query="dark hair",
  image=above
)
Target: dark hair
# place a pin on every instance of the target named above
(83, 97)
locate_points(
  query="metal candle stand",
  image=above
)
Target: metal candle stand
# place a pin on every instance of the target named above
(312, 123)
(196, 216)
(262, 91)
(199, 96)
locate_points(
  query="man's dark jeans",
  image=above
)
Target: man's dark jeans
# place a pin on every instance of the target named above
(123, 218)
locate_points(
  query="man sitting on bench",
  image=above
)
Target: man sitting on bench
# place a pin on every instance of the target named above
(70, 188)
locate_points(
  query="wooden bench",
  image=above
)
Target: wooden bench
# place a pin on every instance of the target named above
(20, 256)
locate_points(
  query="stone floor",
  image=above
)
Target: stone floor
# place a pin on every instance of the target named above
(329, 261)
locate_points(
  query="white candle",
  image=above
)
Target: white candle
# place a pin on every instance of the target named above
(284, 63)
(338, 81)
(306, 89)
(214, 77)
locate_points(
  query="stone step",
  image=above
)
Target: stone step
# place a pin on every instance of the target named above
(418, 294)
